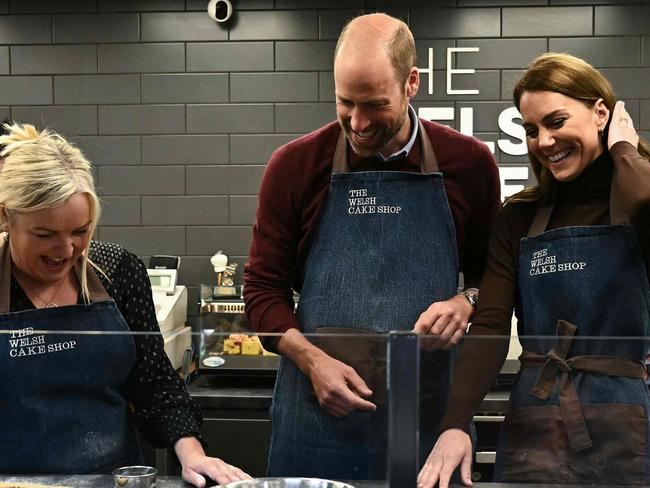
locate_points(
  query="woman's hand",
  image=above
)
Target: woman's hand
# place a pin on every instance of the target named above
(453, 447)
(196, 465)
(621, 128)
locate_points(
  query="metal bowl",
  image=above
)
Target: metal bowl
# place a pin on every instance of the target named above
(287, 483)
(135, 477)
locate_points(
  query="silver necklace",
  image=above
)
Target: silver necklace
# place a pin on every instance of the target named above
(51, 303)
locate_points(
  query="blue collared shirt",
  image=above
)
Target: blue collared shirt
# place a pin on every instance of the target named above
(402, 153)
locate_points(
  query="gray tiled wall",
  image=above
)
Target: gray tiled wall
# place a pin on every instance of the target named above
(181, 114)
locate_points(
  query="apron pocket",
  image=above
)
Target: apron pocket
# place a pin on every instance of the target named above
(618, 456)
(537, 448)
(360, 349)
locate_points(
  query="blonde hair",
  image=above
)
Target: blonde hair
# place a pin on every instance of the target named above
(42, 170)
(572, 77)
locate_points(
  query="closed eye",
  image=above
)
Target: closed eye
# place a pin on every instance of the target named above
(531, 132)
(557, 123)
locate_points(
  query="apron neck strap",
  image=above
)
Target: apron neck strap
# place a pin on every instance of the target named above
(97, 291)
(543, 214)
(428, 162)
(340, 163)
(5, 274)
(540, 221)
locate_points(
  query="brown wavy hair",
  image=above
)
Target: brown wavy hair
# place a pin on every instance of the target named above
(572, 77)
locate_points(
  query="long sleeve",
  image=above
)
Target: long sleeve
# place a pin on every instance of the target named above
(482, 356)
(163, 410)
(271, 266)
(483, 194)
(631, 177)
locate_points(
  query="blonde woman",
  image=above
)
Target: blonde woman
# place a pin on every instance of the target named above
(71, 401)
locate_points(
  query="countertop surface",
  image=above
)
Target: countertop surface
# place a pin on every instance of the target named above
(106, 481)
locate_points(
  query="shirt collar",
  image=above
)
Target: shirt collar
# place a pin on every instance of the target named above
(404, 152)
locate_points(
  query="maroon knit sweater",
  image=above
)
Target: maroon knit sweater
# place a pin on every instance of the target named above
(294, 188)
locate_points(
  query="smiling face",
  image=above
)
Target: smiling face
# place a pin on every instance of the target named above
(46, 243)
(371, 103)
(562, 132)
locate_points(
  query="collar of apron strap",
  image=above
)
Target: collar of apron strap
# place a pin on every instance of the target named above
(428, 163)
(5, 273)
(555, 362)
(96, 290)
(95, 287)
(544, 212)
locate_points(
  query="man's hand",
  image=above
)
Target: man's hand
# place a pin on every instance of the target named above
(447, 320)
(338, 387)
(453, 447)
(196, 465)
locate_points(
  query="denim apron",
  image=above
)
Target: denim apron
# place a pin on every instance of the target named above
(62, 408)
(385, 249)
(578, 409)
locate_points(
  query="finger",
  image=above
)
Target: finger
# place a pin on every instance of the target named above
(441, 323)
(336, 411)
(624, 116)
(466, 470)
(423, 324)
(429, 475)
(438, 330)
(351, 401)
(455, 339)
(335, 407)
(445, 476)
(360, 404)
(241, 475)
(357, 385)
(616, 113)
(193, 478)
(221, 472)
(427, 343)
(455, 324)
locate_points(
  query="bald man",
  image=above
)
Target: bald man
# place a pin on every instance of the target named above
(371, 218)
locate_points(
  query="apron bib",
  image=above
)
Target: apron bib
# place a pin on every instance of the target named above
(578, 409)
(385, 249)
(61, 403)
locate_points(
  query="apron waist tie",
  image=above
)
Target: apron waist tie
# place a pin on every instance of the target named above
(555, 362)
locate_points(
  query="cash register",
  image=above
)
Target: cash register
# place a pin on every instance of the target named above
(170, 301)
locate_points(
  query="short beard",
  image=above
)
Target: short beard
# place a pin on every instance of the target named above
(366, 152)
